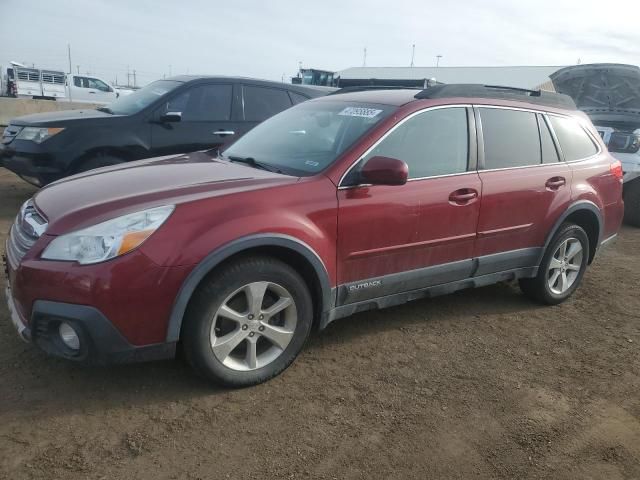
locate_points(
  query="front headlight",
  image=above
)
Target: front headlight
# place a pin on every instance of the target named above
(108, 239)
(36, 134)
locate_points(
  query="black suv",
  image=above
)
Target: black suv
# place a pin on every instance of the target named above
(176, 115)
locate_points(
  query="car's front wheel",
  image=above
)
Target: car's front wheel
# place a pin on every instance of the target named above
(562, 267)
(247, 322)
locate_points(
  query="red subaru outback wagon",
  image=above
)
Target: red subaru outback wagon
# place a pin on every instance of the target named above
(346, 203)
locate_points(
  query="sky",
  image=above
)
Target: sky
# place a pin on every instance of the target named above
(268, 39)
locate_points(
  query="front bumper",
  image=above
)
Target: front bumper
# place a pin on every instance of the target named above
(100, 342)
(23, 331)
(30, 163)
(118, 309)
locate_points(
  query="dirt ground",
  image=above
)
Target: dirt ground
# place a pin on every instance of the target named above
(479, 384)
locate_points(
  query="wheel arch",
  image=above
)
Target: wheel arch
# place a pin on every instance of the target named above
(587, 215)
(115, 152)
(288, 249)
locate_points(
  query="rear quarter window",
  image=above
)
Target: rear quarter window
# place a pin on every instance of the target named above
(296, 98)
(574, 141)
(261, 103)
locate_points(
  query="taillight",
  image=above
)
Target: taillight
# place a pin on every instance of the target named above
(616, 170)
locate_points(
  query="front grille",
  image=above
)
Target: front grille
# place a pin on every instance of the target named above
(27, 228)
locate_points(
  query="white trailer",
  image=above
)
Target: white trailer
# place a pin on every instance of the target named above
(28, 82)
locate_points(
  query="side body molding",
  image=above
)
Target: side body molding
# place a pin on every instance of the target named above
(219, 255)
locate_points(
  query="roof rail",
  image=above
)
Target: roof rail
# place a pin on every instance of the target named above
(364, 88)
(472, 90)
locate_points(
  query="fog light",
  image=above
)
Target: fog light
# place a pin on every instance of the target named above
(69, 336)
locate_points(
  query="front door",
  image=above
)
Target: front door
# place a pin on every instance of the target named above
(207, 120)
(525, 187)
(394, 239)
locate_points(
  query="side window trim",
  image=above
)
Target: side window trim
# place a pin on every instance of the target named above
(589, 134)
(392, 129)
(480, 165)
(481, 162)
(556, 142)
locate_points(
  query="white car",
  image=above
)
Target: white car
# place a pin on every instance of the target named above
(610, 94)
(90, 89)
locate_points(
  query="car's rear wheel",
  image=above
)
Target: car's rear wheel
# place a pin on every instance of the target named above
(632, 203)
(247, 322)
(562, 268)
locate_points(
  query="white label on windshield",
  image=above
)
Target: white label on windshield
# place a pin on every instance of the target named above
(360, 112)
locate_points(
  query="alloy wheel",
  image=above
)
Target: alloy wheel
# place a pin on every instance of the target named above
(253, 326)
(564, 267)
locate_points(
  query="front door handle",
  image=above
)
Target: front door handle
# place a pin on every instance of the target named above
(554, 183)
(224, 133)
(463, 196)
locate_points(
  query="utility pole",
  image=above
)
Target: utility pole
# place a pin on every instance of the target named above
(413, 53)
(438, 57)
(128, 77)
(70, 71)
(169, 70)
(134, 77)
(78, 69)
(364, 57)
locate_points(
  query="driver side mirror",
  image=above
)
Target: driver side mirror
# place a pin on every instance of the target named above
(385, 171)
(171, 117)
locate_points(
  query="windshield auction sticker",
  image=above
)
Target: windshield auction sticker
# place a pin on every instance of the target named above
(359, 112)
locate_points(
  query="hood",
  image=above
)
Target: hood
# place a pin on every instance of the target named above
(56, 118)
(608, 92)
(98, 195)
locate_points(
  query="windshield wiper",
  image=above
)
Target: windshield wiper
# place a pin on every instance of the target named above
(105, 109)
(252, 162)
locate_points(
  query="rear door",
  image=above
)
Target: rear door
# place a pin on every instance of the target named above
(525, 187)
(394, 239)
(208, 120)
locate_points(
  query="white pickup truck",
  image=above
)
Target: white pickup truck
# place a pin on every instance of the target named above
(610, 94)
(55, 85)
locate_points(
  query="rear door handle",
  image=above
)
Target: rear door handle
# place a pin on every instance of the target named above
(554, 183)
(463, 196)
(222, 133)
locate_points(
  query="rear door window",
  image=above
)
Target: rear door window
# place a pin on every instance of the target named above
(574, 141)
(261, 103)
(511, 138)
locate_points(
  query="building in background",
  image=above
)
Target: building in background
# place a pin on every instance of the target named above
(314, 76)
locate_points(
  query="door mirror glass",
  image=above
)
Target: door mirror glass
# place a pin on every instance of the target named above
(385, 171)
(171, 117)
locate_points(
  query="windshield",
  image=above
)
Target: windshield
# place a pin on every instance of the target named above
(130, 104)
(309, 137)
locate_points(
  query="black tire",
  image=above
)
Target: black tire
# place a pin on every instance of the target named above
(210, 296)
(538, 288)
(97, 161)
(632, 203)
